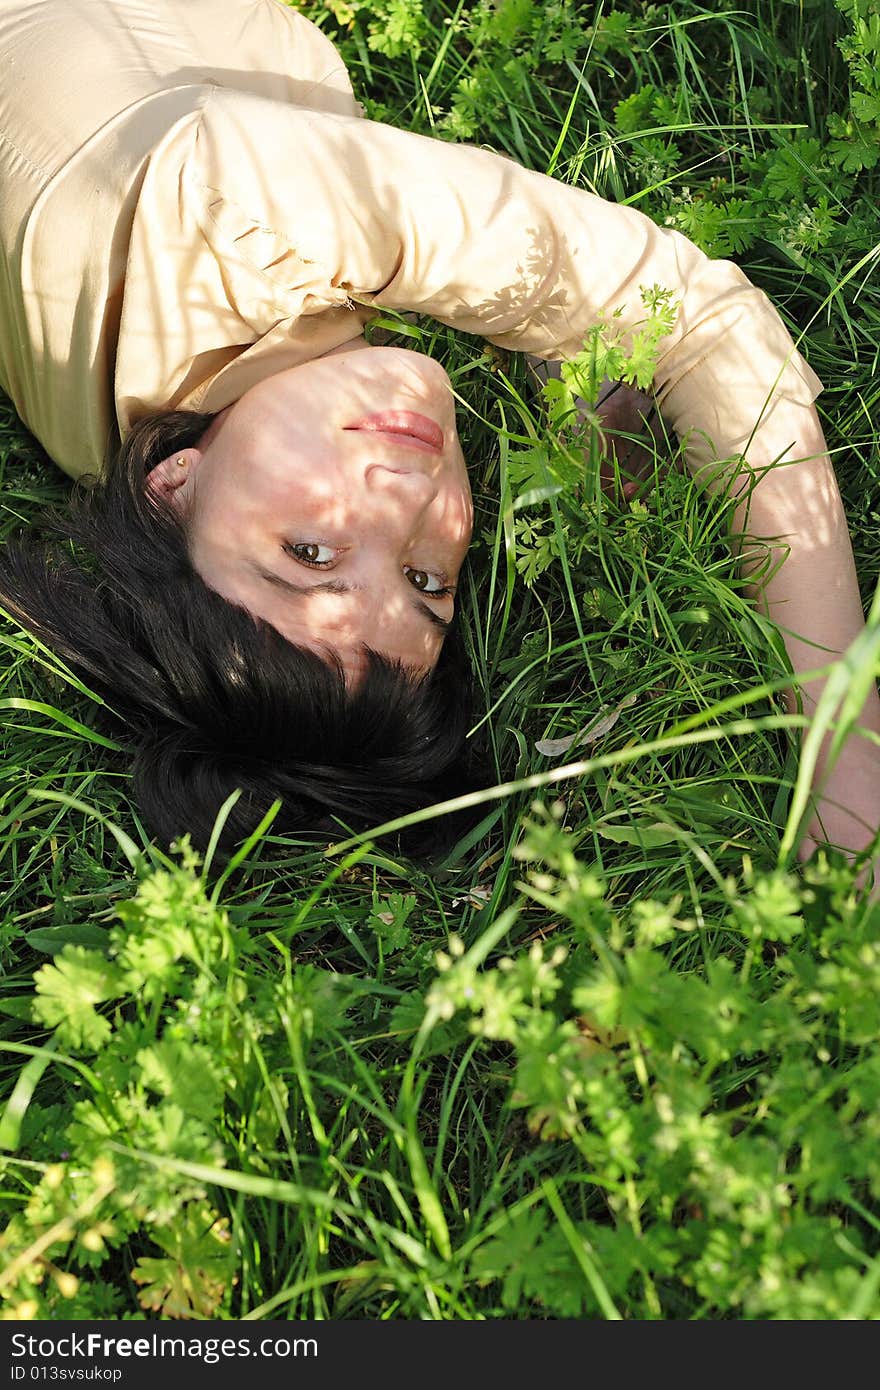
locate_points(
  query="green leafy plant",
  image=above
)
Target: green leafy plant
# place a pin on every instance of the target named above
(702, 1138)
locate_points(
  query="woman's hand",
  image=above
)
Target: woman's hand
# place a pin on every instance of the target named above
(631, 441)
(791, 533)
(846, 810)
(629, 420)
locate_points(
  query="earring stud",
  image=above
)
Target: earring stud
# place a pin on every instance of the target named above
(181, 462)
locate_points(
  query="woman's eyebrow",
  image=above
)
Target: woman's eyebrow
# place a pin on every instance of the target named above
(341, 586)
(433, 617)
(327, 586)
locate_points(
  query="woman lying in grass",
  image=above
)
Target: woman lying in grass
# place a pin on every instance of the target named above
(197, 225)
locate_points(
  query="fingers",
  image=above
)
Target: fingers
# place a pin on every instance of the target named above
(631, 454)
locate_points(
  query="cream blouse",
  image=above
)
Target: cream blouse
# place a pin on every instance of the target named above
(191, 200)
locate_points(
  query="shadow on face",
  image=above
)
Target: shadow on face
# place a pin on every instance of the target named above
(332, 501)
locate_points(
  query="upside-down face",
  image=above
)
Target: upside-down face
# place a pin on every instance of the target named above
(332, 500)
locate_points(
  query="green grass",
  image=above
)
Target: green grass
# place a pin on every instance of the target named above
(616, 1055)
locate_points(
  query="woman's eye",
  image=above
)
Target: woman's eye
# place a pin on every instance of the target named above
(310, 553)
(427, 583)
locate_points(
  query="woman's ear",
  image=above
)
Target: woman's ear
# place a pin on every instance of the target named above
(169, 479)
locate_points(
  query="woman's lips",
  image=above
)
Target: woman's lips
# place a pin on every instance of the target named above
(415, 431)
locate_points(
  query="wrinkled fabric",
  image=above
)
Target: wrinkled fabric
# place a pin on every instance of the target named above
(192, 200)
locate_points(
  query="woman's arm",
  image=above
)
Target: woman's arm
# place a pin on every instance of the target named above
(262, 224)
(285, 217)
(813, 597)
(803, 586)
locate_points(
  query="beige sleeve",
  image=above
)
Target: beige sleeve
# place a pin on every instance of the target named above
(336, 206)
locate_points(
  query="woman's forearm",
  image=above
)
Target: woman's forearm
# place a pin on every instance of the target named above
(811, 592)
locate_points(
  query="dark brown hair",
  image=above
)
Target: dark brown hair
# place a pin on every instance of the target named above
(212, 699)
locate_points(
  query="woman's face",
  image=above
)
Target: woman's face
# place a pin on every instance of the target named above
(332, 500)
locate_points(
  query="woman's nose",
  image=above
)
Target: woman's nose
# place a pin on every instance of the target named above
(404, 486)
